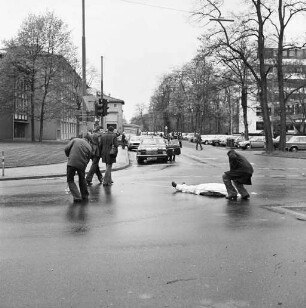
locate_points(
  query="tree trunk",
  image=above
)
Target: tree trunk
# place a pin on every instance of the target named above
(244, 105)
(41, 128)
(32, 112)
(280, 78)
(262, 82)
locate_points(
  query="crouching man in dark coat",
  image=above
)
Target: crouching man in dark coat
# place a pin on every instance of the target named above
(78, 152)
(240, 173)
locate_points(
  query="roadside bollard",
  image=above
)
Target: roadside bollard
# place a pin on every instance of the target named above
(2, 163)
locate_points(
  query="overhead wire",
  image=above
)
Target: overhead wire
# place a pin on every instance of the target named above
(155, 6)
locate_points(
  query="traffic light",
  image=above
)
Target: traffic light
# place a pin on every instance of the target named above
(104, 107)
(99, 108)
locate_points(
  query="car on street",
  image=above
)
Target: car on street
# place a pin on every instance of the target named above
(133, 142)
(296, 143)
(253, 142)
(227, 140)
(276, 141)
(221, 140)
(207, 139)
(190, 137)
(173, 147)
(185, 136)
(237, 140)
(152, 149)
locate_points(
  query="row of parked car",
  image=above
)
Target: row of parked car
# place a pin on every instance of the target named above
(293, 142)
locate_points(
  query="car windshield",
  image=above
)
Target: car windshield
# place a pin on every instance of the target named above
(135, 138)
(152, 141)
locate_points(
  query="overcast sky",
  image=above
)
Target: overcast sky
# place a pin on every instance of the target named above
(138, 39)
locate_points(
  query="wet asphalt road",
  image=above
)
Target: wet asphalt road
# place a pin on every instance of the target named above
(140, 244)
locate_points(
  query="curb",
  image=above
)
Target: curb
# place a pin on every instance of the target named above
(32, 177)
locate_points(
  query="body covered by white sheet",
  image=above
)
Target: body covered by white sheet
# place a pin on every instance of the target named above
(206, 189)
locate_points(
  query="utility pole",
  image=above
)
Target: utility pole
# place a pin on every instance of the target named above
(101, 119)
(83, 50)
(83, 64)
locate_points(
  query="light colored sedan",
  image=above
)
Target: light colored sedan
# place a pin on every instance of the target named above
(253, 142)
(296, 143)
(134, 142)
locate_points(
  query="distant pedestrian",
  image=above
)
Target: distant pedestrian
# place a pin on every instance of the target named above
(95, 157)
(180, 137)
(123, 140)
(240, 173)
(78, 151)
(199, 141)
(108, 141)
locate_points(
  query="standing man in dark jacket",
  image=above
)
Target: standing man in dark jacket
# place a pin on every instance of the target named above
(198, 141)
(107, 140)
(240, 173)
(78, 152)
(95, 157)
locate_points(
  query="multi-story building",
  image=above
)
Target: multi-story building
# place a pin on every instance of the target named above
(294, 68)
(61, 104)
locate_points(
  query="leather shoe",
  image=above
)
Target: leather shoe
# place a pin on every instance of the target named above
(232, 198)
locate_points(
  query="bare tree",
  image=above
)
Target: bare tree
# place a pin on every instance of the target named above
(248, 26)
(286, 11)
(39, 52)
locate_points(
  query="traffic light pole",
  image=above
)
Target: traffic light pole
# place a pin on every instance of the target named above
(101, 119)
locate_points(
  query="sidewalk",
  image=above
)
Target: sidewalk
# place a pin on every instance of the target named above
(57, 169)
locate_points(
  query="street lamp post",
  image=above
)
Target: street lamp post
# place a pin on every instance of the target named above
(83, 65)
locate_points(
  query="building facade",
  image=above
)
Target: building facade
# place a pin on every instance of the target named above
(294, 68)
(60, 105)
(113, 118)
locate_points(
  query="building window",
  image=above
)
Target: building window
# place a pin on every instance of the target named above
(259, 126)
(292, 53)
(19, 130)
(299, 53)
(115, 105)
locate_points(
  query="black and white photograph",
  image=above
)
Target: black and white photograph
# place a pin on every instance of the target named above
(153, 154)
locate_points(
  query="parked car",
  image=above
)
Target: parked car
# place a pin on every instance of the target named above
(276, 141)
(237, 140)
(296, 143)
(224, 140)
(207, 139)
(152, 148)
(253, 142)
(220, 140)
(133, 142)
(174, 146)
(190, 137)
(185, 136)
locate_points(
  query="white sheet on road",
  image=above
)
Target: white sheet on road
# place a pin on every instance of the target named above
(206, 189)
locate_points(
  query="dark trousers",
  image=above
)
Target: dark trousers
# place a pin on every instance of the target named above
(108, 175)
(82, 182)
(199, 143)
(231, 190)
(94, 169)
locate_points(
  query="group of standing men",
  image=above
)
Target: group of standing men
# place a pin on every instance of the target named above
(79, 152)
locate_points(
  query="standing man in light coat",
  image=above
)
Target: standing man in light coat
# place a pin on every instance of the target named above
(78, 151)
(107, 141)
